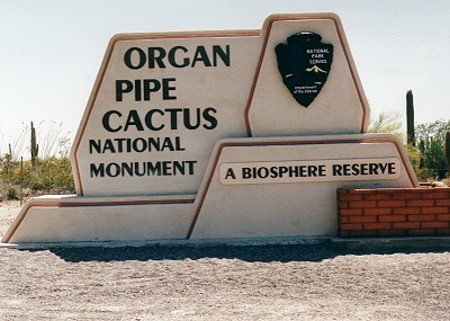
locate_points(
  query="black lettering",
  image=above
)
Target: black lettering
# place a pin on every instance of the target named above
(178, 146)
(207, 115)
(167, 89)
(133, 120)
(263, 172)
(224, 55)
(294, 171)
(156, 55)
(346, 168)
(173, 60)
(149, 119)
(106, 121)
(123, 86)
(153, 168)
(173, 116)
(94, 144)
(230, 173)
(322, 171)
(246, 173)
(191, 167)
(312, 170)
(136, 169)
(188, 124)
(201, 56)
(355, 169)
(113, 170)
(140, 58)
(150, 85)
(97, 171)
(391, 168)
(383, 167)
(373, 168)
(108, 147)
(337, 170)
(128, 168)
(143, 145)
(282, 170)
(178, 166)
(363, 169)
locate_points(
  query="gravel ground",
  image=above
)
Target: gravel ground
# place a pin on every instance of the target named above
(327, 280)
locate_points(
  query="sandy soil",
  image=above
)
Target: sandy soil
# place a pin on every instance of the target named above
(403, 280)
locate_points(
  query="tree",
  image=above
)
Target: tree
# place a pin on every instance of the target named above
(430, 139)
(427, 155)
(387, 122)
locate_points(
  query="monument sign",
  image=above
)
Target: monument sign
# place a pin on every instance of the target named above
(221, 134)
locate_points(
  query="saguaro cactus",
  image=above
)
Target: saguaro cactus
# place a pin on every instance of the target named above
(411, 139)
(447, 150)
(34, 147)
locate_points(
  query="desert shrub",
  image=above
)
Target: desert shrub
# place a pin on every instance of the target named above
(50, 176)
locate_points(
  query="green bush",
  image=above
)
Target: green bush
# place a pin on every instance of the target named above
(430, 139)
(50, 176)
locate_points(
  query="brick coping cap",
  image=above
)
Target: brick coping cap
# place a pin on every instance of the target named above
(395, 190)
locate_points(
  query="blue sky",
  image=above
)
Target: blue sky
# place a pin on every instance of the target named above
(51, 50)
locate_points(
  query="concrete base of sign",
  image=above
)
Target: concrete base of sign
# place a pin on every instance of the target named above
(75, 219)
(252, 188)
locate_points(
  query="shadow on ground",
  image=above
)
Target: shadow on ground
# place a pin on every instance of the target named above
(314, 252)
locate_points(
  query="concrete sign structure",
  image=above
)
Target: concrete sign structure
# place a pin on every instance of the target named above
(232, 134)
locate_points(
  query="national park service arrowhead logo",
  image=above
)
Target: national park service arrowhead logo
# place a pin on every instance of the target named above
(304, 64)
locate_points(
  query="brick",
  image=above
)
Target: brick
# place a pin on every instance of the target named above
(351, 227)
(436, 195)
(351, 211)
(435, 210)
(443, 217)
(421, 218)
(377, 226)
(445, 202)
(419, 203)
(377, 211)
(425, 232)
(392, 218)
(343, 220)
(377, 197)
(392, 203)
(406, 225)
(406, 210)
(435, 225)
(343, 205)
(393, 190)
(363, 204)
(365, 191)
(363, 219)
(406, 196)
(350, 197)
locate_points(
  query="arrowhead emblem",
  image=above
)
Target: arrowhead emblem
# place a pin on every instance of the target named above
(304, 64)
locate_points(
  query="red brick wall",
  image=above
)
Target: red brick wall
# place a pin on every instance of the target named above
(393, 212)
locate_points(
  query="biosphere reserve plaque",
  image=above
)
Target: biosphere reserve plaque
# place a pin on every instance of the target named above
(219, 135)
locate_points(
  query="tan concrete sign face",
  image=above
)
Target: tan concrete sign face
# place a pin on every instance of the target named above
(313, 56)
(158, 109)
(161, 101)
